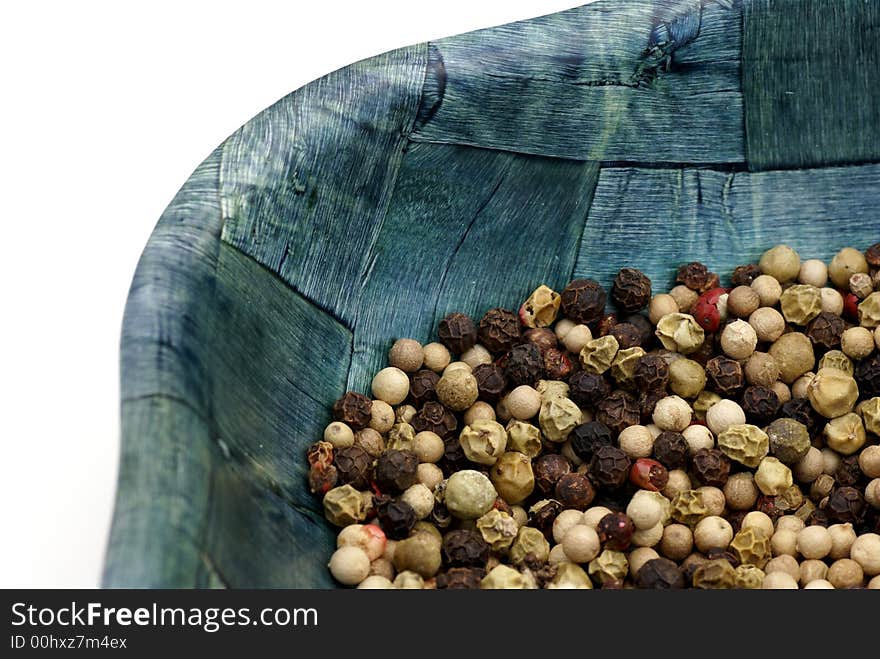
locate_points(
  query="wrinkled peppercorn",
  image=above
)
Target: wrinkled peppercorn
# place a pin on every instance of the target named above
(574, 490)
(872, 255)
(583, 301)
(440, 516)
(848, 471)
(616, 531)
(631, 290)
(627, 335)
(491, 382)
(694, 275)
(744, 275)
(457, 332)
(499, 330)
(705, 350)
(651, 373)
(846, 504)
(724, 375)
(436, 418)
(543, 518)
(395, 471)
(609, 467)
(721, 553)
(819, 517)
(760, 404)
(353, 465)
(802, 411)
(589, 436)
(422, 386)
(588, 389)
(548, 469)
(648, 474)
(767, 505)
(606, 322)
(867, 376)
(353, 409)
(320, 454)
(826, 329)
(671, 449)
(557, 365)
(464, 548)
(618, 411)
(454, 458)
(647, 402)
(543, 337)
(322, 479)
(396, 517)
(711, 467)
(660, 574)
(524, 365)
(460, 578)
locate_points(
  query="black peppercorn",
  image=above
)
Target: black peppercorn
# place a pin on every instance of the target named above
(353, 465)
(396, 517)
(867, 376)
(457, 332)
(724, 375)
(819, 517)
(499, 330)
(651, 373)
(464, 548)
(616, 531)
(660, 574)
(711, 467)
(744, 275)
(618, 410)
(525, 365)
(574, 490)
(872, 255)
(605, 323)
(627, 335)
(423, 386)
(826, 329)
(631, 290)
(802, 411)
(589, 436)
(760, 404)
(671, 449)
(353, 409)
(694, 275)
(588, 389)
(395, 471)
(736, 517)
(454, 458)
(543, 518)
(491, 382)
(846, 504)
(440, 516)
(460, 578)
(548, 469)
(609, 467)
(716, 553)
(557, 365)
(643, 325)
(705, 351)
(436, 418)
(583, 301)
(647, 402)
(848, 471)
(543, 337)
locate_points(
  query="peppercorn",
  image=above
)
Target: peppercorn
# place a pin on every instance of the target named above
(744, 275)
(588, 389)
(671, 449)
(543, 517)
(464, 548)
(353, 465)
(618, 411)
(457, 332)
(513, 477)
(353, 409)
(557, 418)
(422, 386)
(435, 417)
(694, 275)
(846, 504)
(397, 518)
(525, 365)
(826, 329)
(627, 335)
(454, 458)
(832, 393)
(574, 490)
(801, 411)
(548, 469)
(867, 375)
(648, 474)
(583, 301)
(395, 471)
(557, 365)
(499, 330)
(760, 404)
(587, 437)
(724, 375)
(660, 574)
(714, 574)
(848, 471)
(461, 578)
(616, 531)
(491, 382)
(320, 454)
(631, 290)
(647, 404)
(322, 478)
(711, 467)
(543, 337)
(609, 467)
(651, 373)
(680, 332)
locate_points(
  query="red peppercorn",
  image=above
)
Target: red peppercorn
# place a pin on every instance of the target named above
(557, 365)
(648, 474)
(322, 479)
(353, 409)
(631, 290)
(574, 490)
(706, 312)
(457, 332)
(583, 300)
(499, 330)
(616, 531)
(320, 454)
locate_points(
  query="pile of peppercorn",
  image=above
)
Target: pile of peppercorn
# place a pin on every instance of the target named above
(706, 437)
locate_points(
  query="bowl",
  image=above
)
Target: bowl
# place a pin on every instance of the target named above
(458, 175)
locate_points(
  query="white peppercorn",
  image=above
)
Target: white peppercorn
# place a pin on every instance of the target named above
(768, 289)
(784, 542)
(368, 537)
(814, 542)
(779, 581)
(832, 301)
(830, 461)
(800, 387)
(349, 565)
(814, 273)
(648, 537)
(645, 510)
(724, 414)
(793, 353)
(857, 342)
(712, 531)
(672, 413)
(381, 416)
(869, 460)
(785, 563)
(476, 355)
(809, 467)
(407, 355)
(436, 357)
(581, 544)
(865, 551)
(677, 542)
(523, 403)
(684, 298)
(557, 555)
(742, 302)
(842, 538)
(479, 410)
(845, 263)
(819, 584)
(677, 482)
(376, 582)
(698, 437)
(420, 498)
(592, 516)
(713, 499)
(429, 475)
(768, 324)
(872, 493)
(780, 262)
(391, 385)
(738, 340)
(761, 369)
(566, 520)
(758, 521)
(846, 573)
(661, 305)
(740, 491)
(339, 434)
(783, 393)
(576, 338)
(812, 570)
(636, 441)
(404, 414)
(638, 557)
(874, 583)
(382, 567)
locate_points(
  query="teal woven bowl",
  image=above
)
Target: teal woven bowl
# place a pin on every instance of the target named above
(458, 175)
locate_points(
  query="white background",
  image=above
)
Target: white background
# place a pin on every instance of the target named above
(106, 109)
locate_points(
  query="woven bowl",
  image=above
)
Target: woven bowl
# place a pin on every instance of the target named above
(457, 175)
